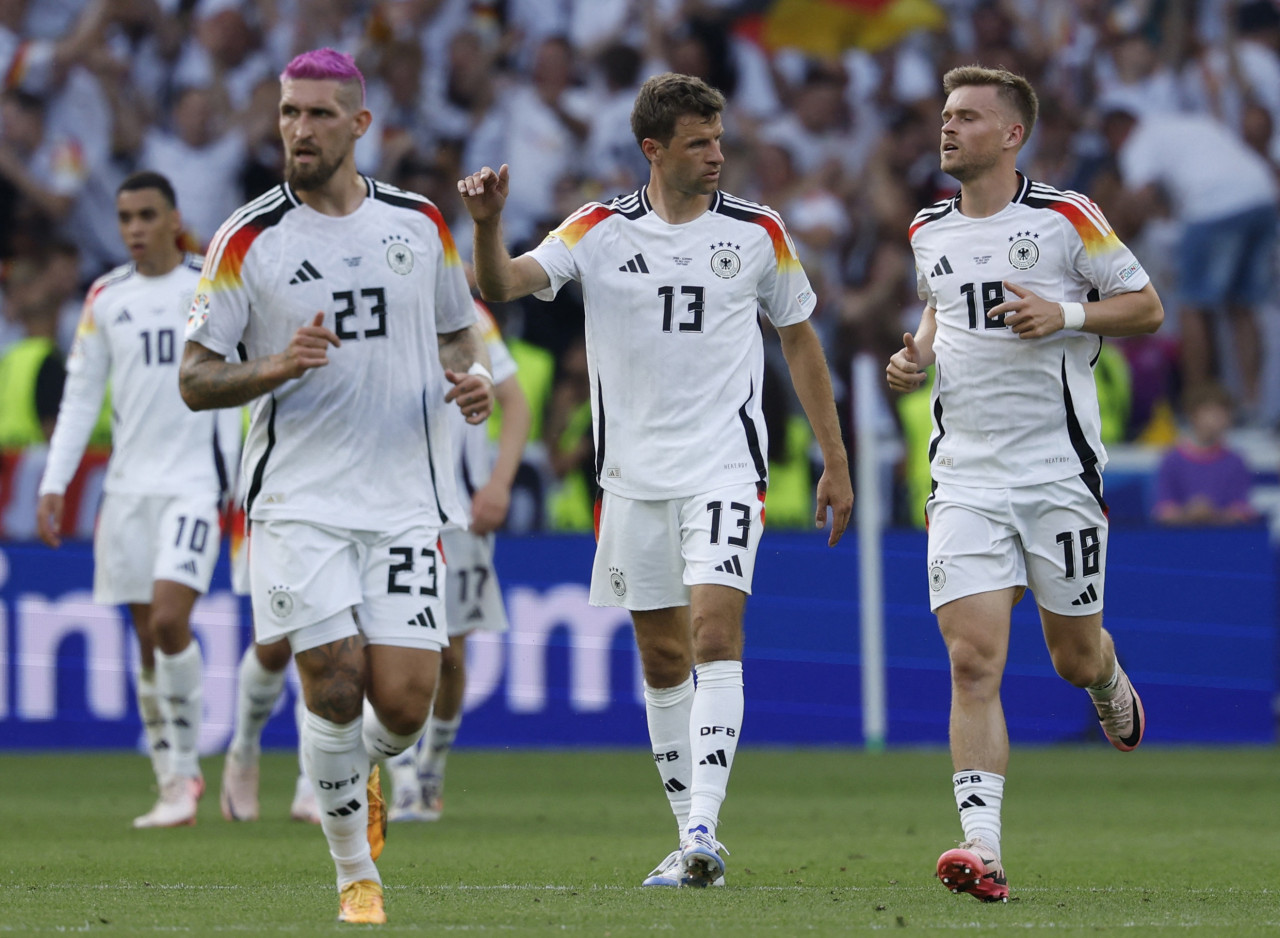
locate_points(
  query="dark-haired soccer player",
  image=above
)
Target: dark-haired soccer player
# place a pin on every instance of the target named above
(1020, 282)
(158, 533)
(348, 299)
(673, 277)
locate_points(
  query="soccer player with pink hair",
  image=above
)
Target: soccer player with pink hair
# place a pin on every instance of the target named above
(347, 302)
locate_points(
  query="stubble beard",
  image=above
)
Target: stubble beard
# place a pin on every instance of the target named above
(967, 170)
(309, 177)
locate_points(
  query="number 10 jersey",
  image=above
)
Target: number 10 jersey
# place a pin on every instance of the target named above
(673, 338)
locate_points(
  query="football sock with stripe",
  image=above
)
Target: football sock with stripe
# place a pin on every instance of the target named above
(1105, 690)
(437, 740)
(180, 681)
(379, 741)
(338, 766)
(667, 710)
(978, 798)
(257, 691)
(154, 726)
(715, 725)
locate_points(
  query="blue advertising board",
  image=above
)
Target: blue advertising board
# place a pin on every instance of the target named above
(1193, 612)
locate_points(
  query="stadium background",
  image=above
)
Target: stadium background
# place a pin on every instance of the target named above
(832, 121)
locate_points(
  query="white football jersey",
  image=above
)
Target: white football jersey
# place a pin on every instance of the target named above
(673, 337)
(1010, 411)
(131, 333)
(362, 442)
(473, 459)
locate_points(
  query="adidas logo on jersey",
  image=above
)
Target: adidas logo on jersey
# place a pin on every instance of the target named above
(1088, 596)
(730, 566)
(306, 273)
(942, 267)
(188, 567)
(636, 265)
(123, 317)
(716, 758)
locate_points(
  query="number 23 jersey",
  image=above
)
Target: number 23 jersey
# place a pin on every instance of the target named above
(673, 337)
(362, 442)
(1010, 411)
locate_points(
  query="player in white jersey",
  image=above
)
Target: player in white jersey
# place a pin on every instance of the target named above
(347, 300)
(260, 680)
(673, 278)
(1020, 282)
(158, 530)
(473, 595)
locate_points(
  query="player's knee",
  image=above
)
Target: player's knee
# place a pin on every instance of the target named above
(170, 629)
(405, 717)
(1076, 669)
(974, 670)
(402, 706)
(274, 656)
(337, 698)
(666, 664)
(716, 638)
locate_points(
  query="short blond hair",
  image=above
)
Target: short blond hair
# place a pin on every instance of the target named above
(1013, 89)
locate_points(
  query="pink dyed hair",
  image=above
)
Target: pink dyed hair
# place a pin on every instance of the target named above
(325, 64)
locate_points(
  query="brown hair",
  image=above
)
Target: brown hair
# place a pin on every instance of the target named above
(664, 99)
(1013, 89)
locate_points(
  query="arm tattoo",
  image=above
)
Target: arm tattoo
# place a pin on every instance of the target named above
(207, 380)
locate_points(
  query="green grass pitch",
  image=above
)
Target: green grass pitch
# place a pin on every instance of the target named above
(825, 842)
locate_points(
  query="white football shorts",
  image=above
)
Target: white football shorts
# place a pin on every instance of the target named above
(648, 553)
(474, 597)
(303, 575)
(144, 538)
(1051, 538)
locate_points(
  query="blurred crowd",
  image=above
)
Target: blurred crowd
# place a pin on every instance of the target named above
(1166, 112)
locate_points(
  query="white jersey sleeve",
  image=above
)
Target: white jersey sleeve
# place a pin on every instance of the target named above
(224, 273)
(88, 368)
(784, 292)
(1099, 256)
(555, 255)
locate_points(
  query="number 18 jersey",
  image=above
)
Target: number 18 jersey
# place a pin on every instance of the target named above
(1010, 411)
(674, 347)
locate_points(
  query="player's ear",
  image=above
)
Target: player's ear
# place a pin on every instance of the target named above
(364, 117)
(1015, 134)
(650, 147)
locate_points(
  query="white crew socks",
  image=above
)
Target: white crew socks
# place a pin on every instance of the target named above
(153, 723)
(300, 712)
(667, 711)
(715, 725)
(180, 680)
(257, 691)
(1105, 690)
(437, 740)
(379, 741)
(978, 798)
(338, 767)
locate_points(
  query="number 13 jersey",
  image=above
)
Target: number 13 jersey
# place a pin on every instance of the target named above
(673, 337)
(1010, 411)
